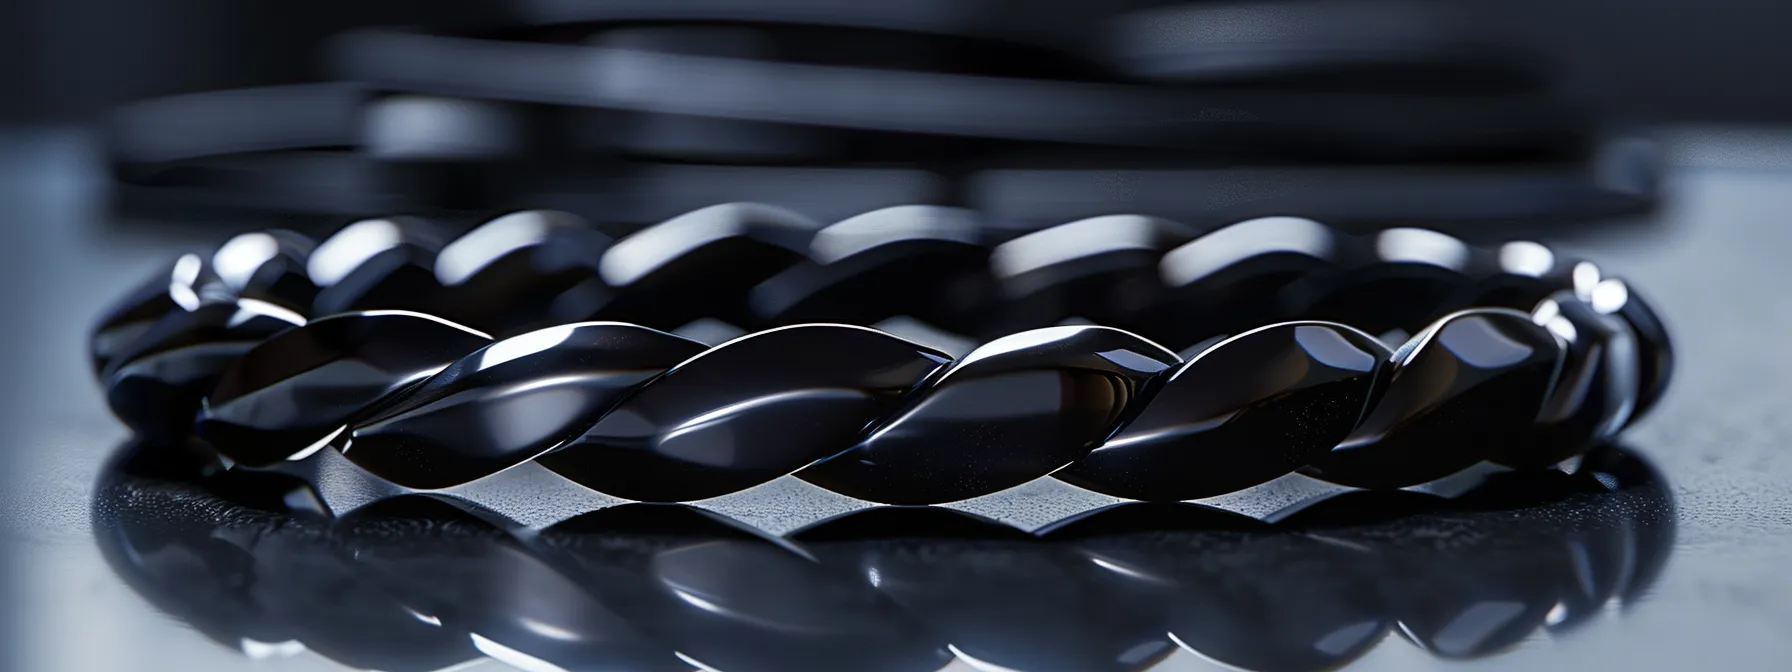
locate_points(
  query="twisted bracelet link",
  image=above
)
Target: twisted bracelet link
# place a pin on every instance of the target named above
(1514, 356)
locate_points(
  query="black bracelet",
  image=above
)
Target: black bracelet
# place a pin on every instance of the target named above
(635, 412)
(421, 582)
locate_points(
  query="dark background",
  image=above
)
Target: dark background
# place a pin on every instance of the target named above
(1644, 60)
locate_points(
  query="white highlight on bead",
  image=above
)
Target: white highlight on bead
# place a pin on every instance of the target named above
(1227, 246)
(466, 255)
(512, 657)
(265, 650)
(1076, 240)
(523, 345)
(180, 282)
(1523, 257)
(1421, 246)
(1609, 296)
(238, 258)
(345, 251)
(890, 225)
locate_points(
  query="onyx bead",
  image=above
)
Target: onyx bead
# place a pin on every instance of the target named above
(507, 274)
(1229, 280)
(377, 264)
(1101, 270)
(174, 288)
(157, 383)
(1245, 411)
(915, 260)
(1461, 390)
(295, 391)
(1595, 393)
(510, 401)
(702, 264)
(267, 266)
(1015, 409)
(1655, 351)
(746, 412)
(1395, 280)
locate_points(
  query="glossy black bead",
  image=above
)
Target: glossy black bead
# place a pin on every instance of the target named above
(1101, 269)
(510, 401)
(1655, 362)
(156, 383)
(702, 264)
(1395, 280)
(1523, 274)
(1000, 598)
(298, 389)
(1015, 409)
(174, 288)
(267, 266)
(1228, 281)
(506, 275)
(1462, 389)
(1595, 393)
(746, 412)
(730, 597)
(1250, 409)
(920, 261)
(377, 264)
(450, 563)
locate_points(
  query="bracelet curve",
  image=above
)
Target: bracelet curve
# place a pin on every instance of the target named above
(1519, 360)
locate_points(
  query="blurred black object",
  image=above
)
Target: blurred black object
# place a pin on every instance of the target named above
(1360, 112)
(258, 562)
(1642, 60)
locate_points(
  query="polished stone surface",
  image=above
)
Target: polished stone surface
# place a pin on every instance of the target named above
(1100, 269)
(176, 287)
(292, 392)
(1595, 391)
(1395, 279)
(1520, 275)
(1014, 409)
(507, 274)
(157, 381)
(702, 264)
(377, 264)
(1245, 411)
(926, 262)
(747, 412)
(510, 401)
(1460, 391)
(267, 266)
(1230, 280)
(1655, 348)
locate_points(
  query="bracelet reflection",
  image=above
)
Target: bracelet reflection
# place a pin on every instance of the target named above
(422, 582)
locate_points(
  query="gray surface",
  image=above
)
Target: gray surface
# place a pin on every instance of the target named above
(1717, 268)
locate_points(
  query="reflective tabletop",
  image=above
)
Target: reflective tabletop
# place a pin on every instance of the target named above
(1665, 552)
